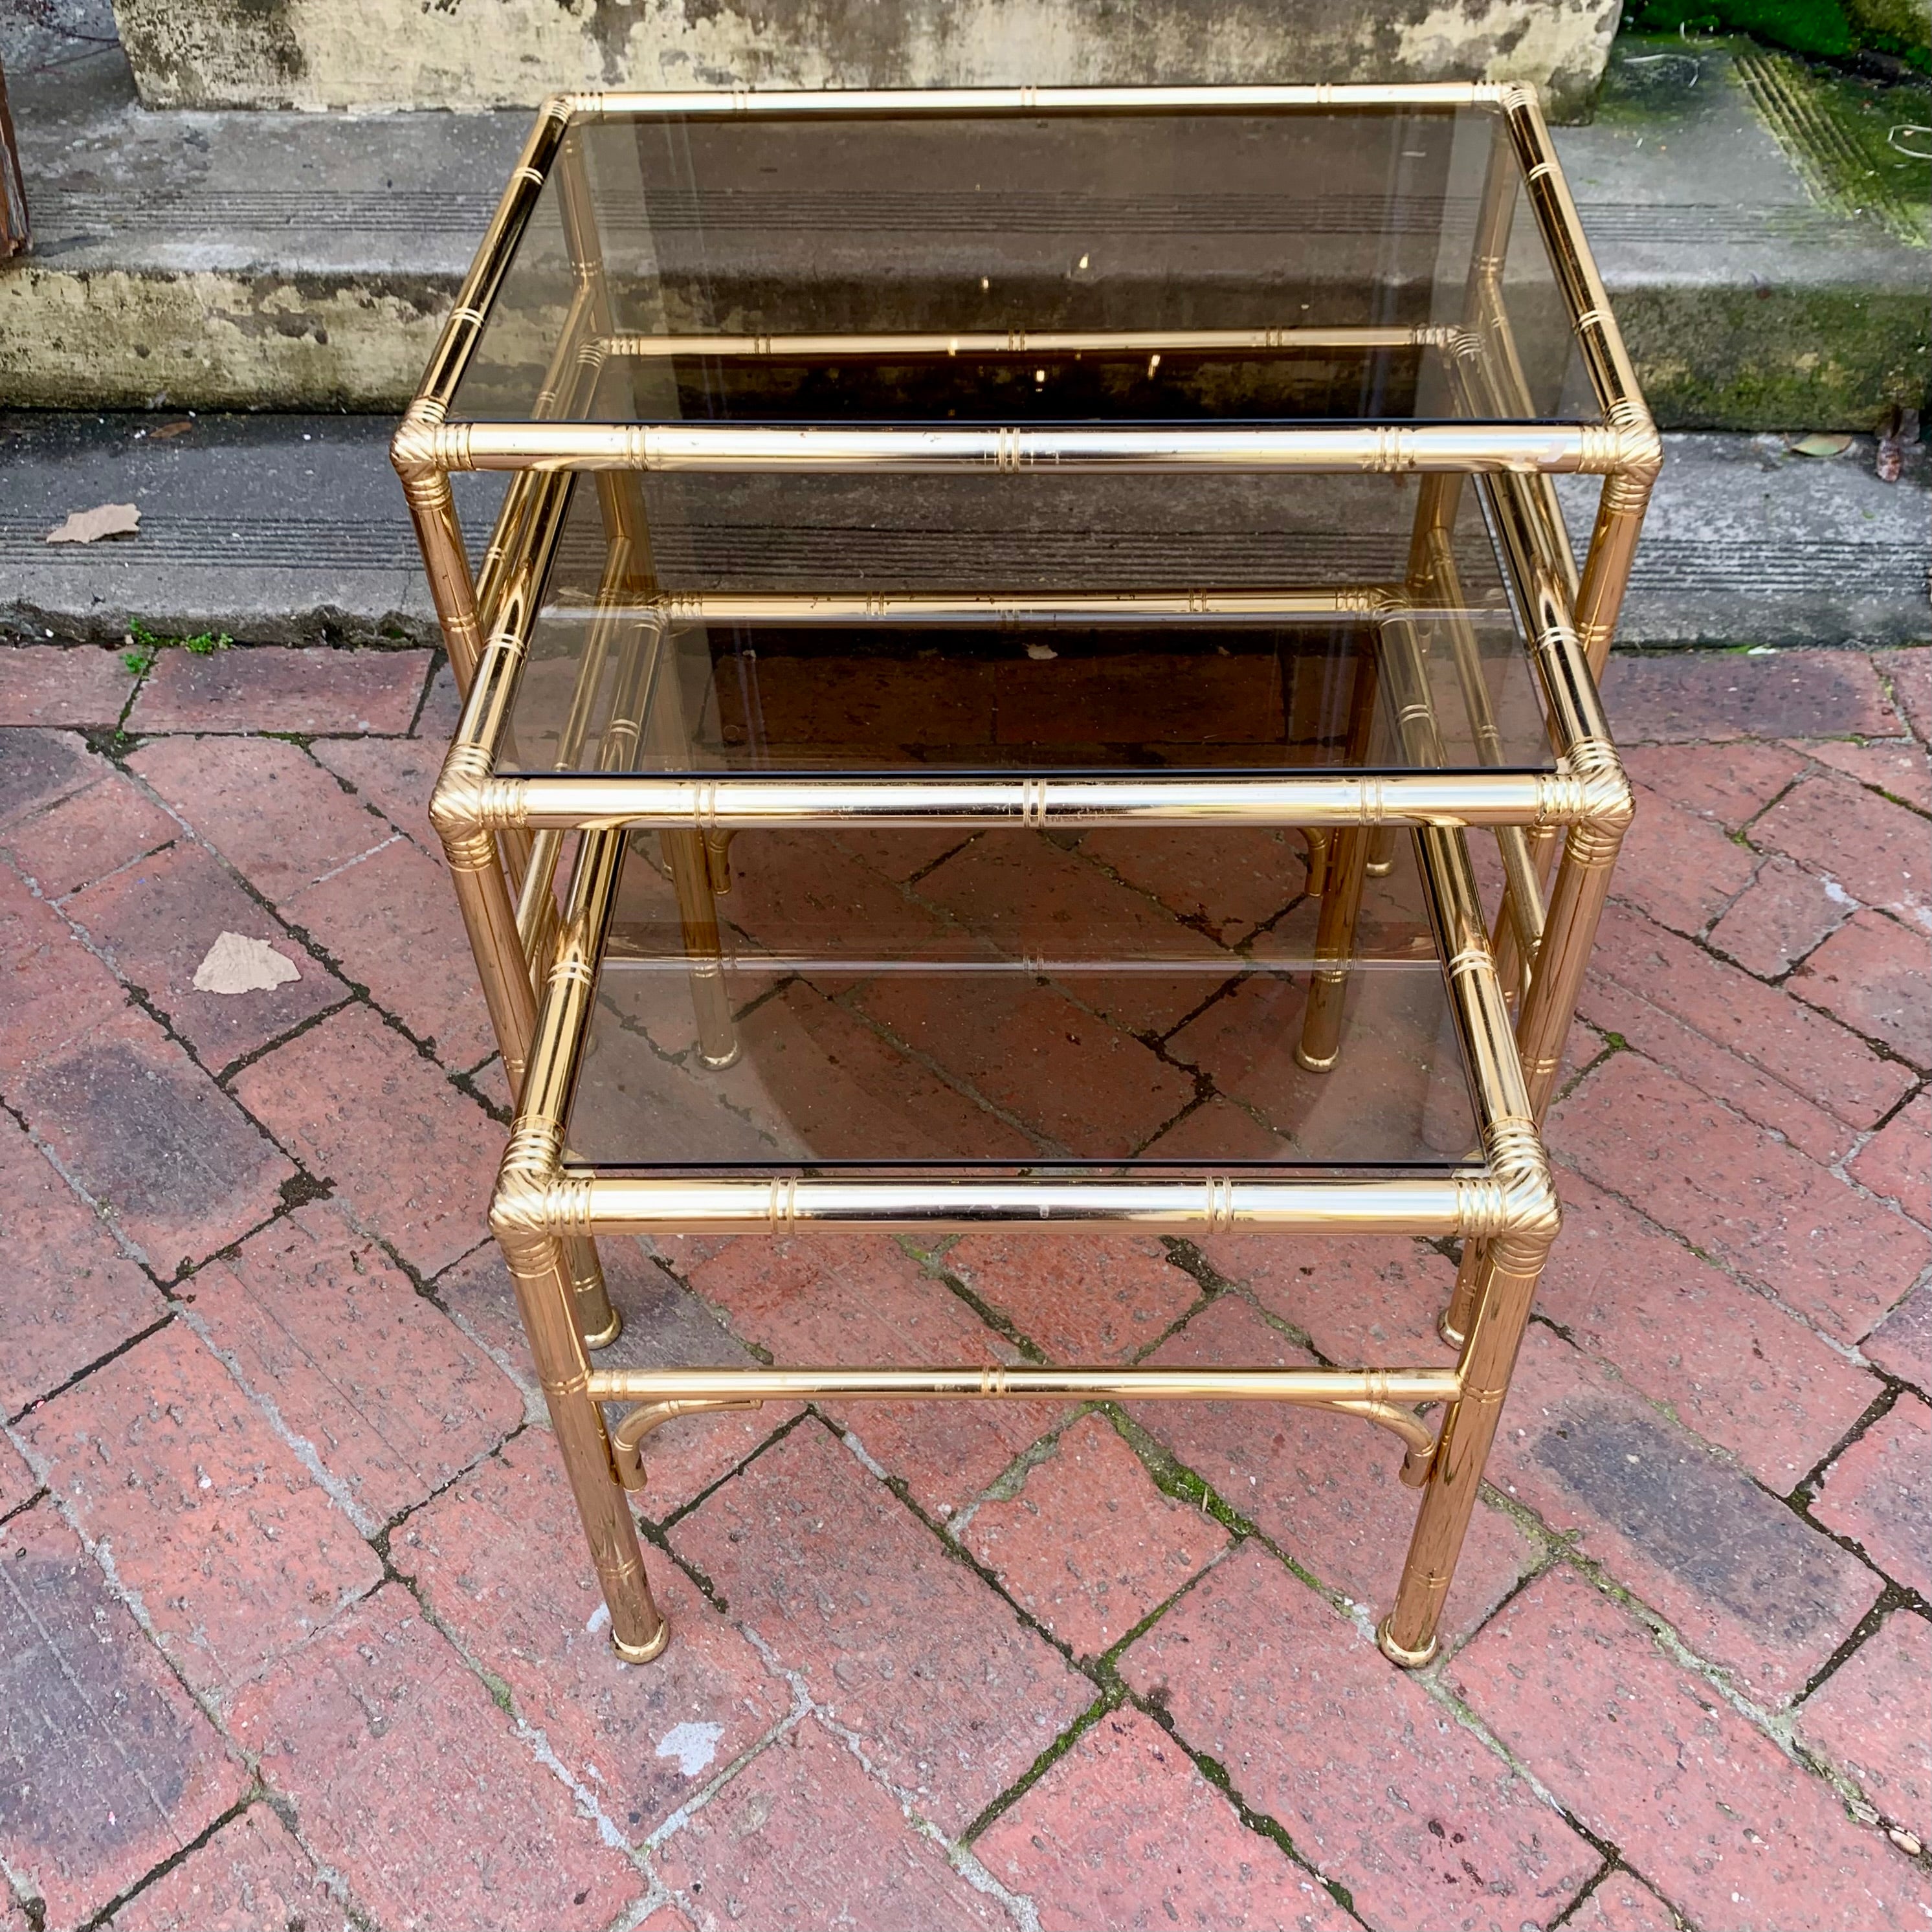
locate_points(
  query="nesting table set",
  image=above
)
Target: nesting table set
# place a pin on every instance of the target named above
(961, 550)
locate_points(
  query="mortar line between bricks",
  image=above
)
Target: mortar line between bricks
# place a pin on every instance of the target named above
(1841, 1170)
(307, 1024)
(656, 1896)
(1699, 942)
(1583, 1072)
(169, 1315)
(1358, 1614)
(957, 1853)
(381, 1539)
(1891, 1601)
(135, 688)
(179, 1856)
(349, 865)
(845, 1001)
(802, 1707)
(535, 1414)
(132, 1601)
(955, 1850)
(300, 1446)
(1155, 1043)
(35, 1495)
(1104, 1670)
(82, 780)
(129, 1247)
(59, 900)
(1847, 1350)
(533, 1736)
(1434, 1686)
(955, 1551)
(660, 1529)
(1781, 1728)
(932, 1267)
(718, 1313)
(1611, 1867)
(1263, 1824)
(1545, 1547)
(284, 1808)
(1195, 923)
(144, 1001)
(1805, 1496)
(215, 1701)
(31, 1902)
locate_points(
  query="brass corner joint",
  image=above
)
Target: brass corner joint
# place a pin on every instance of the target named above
(1514, 1206)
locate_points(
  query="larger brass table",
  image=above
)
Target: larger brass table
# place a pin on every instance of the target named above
(904, 485)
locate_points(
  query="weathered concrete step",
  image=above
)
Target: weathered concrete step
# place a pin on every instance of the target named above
(282, 261)
(291, 528)
(514, 52)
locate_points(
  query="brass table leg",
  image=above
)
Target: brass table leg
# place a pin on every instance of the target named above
(548, 1304)
(541, 1265)
(1320, 1043)
(1506, 1275)
(685, 854)
(1346, 854)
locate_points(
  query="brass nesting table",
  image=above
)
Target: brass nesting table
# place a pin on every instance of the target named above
(913, 496)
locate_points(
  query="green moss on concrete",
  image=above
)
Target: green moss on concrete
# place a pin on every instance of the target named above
(1775, 358)
(1837, 128)
(1825, 27)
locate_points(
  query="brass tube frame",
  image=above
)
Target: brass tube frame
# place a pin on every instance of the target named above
(1504, 1209)
(542, 1200)
(914, 345)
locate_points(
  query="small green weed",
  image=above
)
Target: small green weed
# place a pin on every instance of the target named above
(146, 647)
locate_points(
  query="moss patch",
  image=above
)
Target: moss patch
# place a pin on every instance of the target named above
(1820, 27)
(1777, 358)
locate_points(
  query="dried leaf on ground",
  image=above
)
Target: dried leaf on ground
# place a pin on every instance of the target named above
(1820, 444)
(236, 964)
(108, 520)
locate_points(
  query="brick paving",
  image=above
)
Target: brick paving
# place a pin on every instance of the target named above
(296, 1624)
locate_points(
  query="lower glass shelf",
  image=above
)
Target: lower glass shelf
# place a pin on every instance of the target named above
(1015, 1003)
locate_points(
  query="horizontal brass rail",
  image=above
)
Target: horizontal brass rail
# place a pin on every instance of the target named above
(1026, 1384)
(566, 801)
(1036, 609)
(422, 444)
(942, 102)
(1375, 1395)
(627, 953)
(939, 343)
(1470, 1202)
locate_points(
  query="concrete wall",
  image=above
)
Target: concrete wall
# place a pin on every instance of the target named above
(488, 53)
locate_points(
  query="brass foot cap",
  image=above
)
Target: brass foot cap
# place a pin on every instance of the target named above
(717, 1064)
(1379, 869)
(1409, 1660)
(606, 1337)
(642, 1653)
(1453, 1337)
(1304, 1058)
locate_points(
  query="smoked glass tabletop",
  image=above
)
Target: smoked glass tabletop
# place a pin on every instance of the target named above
(1288, 264)
(842, 626)
(1017, 1002)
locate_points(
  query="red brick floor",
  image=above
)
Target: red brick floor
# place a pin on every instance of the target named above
(296, 1625)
